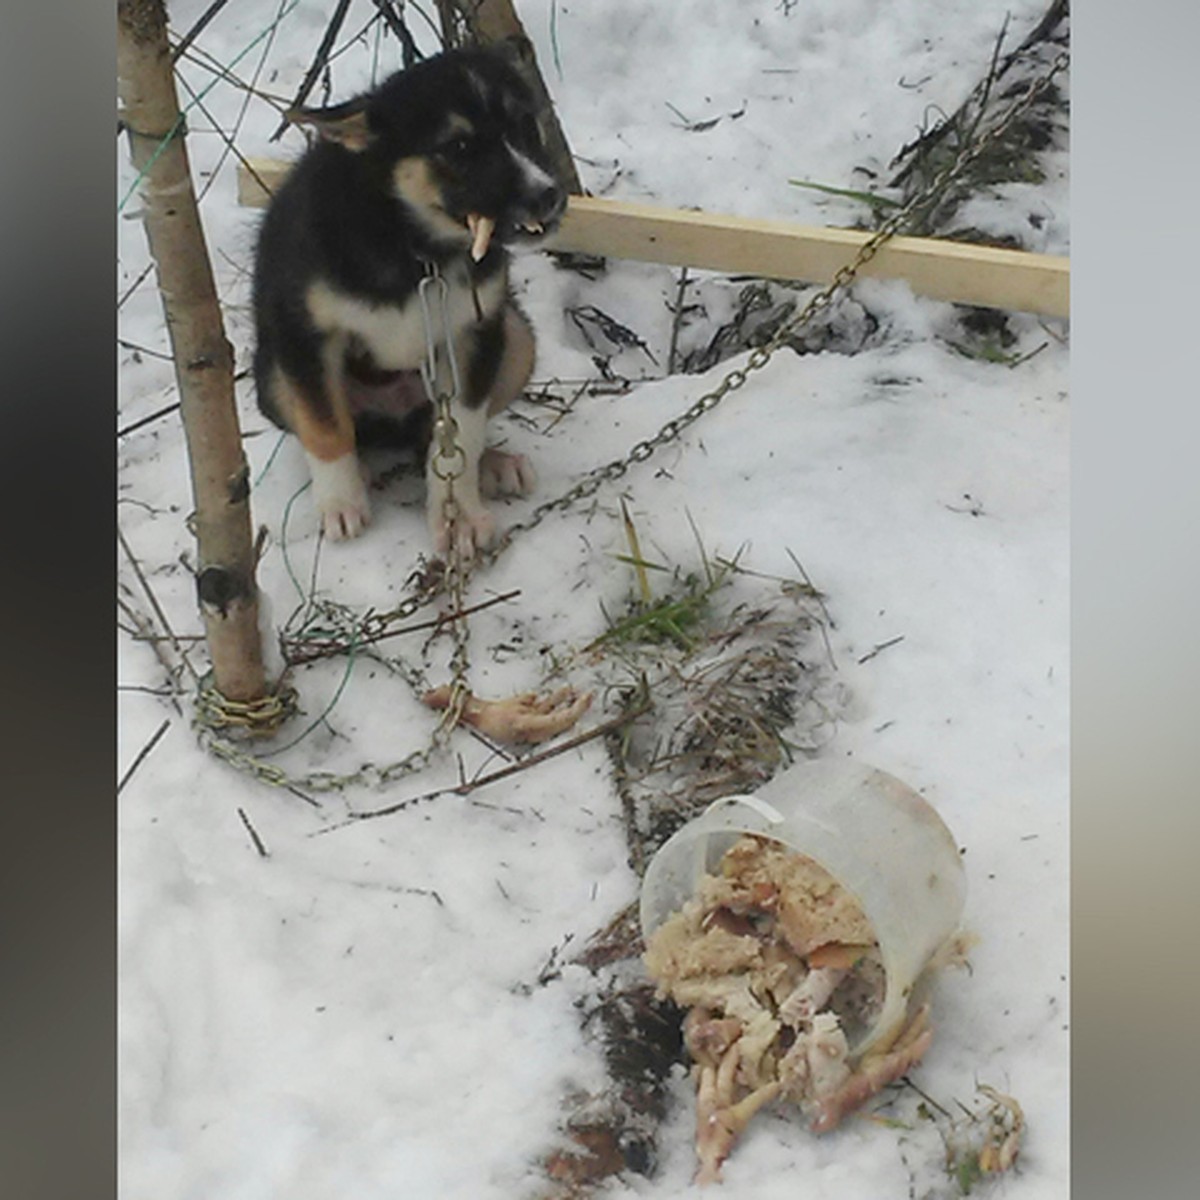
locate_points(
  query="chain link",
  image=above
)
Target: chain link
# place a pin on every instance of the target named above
(261, 718)
(448, 462)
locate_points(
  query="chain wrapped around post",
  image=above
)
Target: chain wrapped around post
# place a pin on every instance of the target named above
(447, 461)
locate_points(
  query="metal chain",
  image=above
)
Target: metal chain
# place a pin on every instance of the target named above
(261, 718)
(448, 460)
(368, 775)
(759, 357)
(454, 579)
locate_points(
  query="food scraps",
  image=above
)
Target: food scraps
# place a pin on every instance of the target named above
(779, 970)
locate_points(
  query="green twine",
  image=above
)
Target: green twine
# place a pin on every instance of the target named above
(307, 597)
(158, 150)
(270, 459)
(554, 38)
(337, 695)
(283, 544)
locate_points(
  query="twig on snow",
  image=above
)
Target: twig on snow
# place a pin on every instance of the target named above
(143, 631)
(158, 611)
(827, 624)
(677, 320)
(880, 646)
(258, 845)
(154, 416)
(141, 755)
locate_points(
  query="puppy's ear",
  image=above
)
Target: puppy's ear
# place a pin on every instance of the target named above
(345, 124)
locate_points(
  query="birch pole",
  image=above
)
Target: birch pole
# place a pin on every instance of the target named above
(227, 593)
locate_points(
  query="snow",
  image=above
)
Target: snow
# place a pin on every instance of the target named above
(359, 1012)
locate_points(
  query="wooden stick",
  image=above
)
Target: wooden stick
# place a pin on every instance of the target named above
(202, 354)
(321, 59)
(141, 755)
(258, 843)
(943, 270)
(299, 651)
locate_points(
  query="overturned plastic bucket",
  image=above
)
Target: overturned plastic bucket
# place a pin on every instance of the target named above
(877, 837)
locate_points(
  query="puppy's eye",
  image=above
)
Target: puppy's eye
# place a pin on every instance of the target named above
(458, 147)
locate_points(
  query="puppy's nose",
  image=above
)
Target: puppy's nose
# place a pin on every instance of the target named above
(548, 205)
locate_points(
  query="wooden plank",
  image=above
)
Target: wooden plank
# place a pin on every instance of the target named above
(943, 270)
(257, 179)
(958, 271)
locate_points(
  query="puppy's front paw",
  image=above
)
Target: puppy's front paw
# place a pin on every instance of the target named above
(344, 521)
(504, 474)
(340, 495)
(474, 531)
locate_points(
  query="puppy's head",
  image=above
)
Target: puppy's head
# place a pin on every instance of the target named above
(456, 139)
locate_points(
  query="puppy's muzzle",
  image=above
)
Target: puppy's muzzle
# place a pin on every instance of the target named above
(540, 212)
(535, 213)
(548, 206)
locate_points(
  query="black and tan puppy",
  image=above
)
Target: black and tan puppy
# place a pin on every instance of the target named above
(437, 170)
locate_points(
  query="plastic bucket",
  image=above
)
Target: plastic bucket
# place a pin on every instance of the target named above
(876, 836)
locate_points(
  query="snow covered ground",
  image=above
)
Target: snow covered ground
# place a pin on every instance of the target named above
(358, 1013)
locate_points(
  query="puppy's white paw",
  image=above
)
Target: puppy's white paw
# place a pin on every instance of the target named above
(504, 474)
(474, 529)
(340, 495)
(344, 521)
